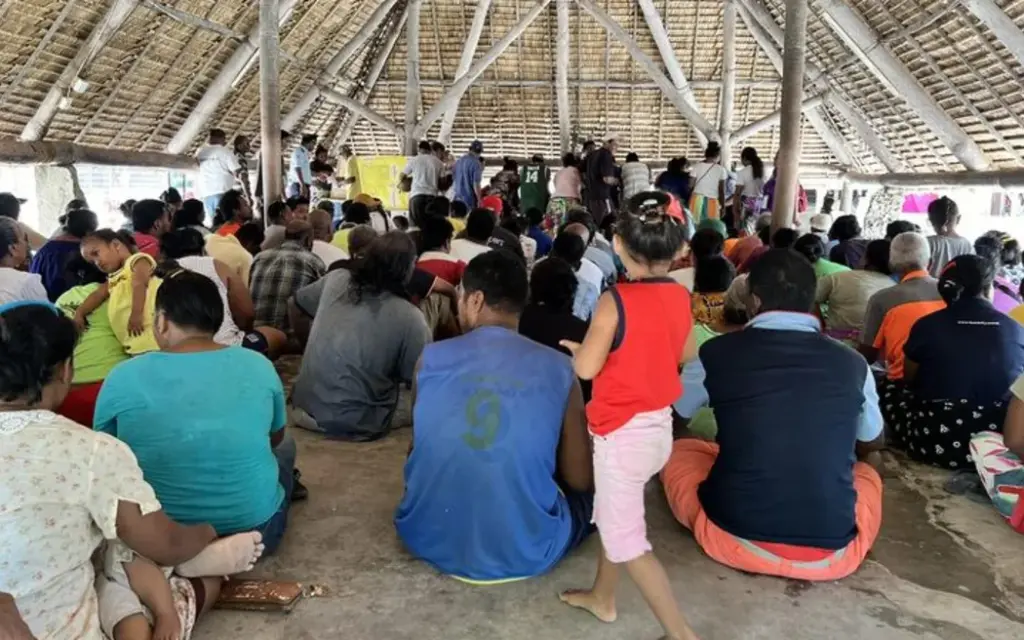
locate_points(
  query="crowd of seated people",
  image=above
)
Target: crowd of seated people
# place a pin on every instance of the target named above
(909, 341)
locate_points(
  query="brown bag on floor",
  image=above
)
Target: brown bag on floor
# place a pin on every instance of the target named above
(259, 595)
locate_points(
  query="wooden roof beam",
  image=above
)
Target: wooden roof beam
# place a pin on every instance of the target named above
(222, 84)
(888, 69)
(668, 57)
(361, 110)
(562, 77)
(454, 94)
(329, 75)
(614, 85)
(476, 28)
(769, 35)
(112, 20)
(753, 128)
(693, 116)
(66, 153)
(992, 16)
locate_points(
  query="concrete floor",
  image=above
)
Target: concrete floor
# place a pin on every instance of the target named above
(945, 567)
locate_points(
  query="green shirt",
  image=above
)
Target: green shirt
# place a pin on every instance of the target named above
(98, 349)
(533, 187)
(703, 422)
(825, 267)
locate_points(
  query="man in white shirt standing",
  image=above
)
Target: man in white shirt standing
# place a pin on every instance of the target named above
(425, 170)
(218, 170)
(299, 175)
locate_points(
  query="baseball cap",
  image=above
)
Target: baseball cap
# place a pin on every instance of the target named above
(476, 146)
(10, 205)
(821, 222)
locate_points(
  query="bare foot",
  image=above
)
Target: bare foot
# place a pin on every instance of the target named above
(586, 600)
(225, 557)
(167, 627)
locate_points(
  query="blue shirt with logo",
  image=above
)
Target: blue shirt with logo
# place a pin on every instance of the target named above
(481, 502)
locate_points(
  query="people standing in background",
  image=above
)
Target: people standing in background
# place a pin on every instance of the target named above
(171, 197)
(243, 147)
(568, 192)
(467, 174)
(533, 185)
(707, 183)
(300, 176)
(601, 180)
(351, 179)
(946, 244)
(424, 171)
(636, 177)
(675, 179)
(218, 170)
(506, 183)
(586, 155)
(748, 201)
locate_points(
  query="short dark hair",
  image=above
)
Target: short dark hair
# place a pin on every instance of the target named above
(942, 212)
(438, 207)
(876, 256)
(297, 201)
(400, 222)
(230, 202)
(845, 228)
(896, 227)
(707, 243)
(108, 236)
(171, 196)
(501, 277)
(966, 277)
(784, 238)
(308, 138)
(990, 249)
(80, 222)
(251, 233)
(146, 213)
(79, 203)
(553, 284)
(459, 209)
(10, 206)
(569, 160)
(632, 157)
(425, 146)
(809, 246)
(569, 247)
(217, 134)
(783, 280)
(192, 301)
(535, 216)
(276, 211)
(357, 213)
(182, 243)
(191, 214)
(513, 224)
(713, 275)
(360, 238)
(35, 339)
(480, 224)
(435, 233)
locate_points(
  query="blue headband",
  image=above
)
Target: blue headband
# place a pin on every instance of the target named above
(4, 308)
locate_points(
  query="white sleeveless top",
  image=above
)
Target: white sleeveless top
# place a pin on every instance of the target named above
(229, 334)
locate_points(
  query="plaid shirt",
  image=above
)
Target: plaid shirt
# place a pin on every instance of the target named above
(276, 275)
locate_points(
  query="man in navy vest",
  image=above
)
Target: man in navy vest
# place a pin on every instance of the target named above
(781, 492)
(499, 483)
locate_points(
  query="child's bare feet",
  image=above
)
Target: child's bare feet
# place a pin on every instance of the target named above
(225, 557)
(603, 610)
(167, 627)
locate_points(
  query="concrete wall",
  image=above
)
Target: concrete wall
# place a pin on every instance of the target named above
(55, 187)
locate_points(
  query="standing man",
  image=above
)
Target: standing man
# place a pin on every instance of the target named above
(351, 179)
(243, 148)
(425, 171)
(533, 185)
(300, 176)
(218, 170)
(601, 180)
(467, 173)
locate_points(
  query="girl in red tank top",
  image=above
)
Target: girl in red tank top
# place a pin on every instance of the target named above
(640, 335)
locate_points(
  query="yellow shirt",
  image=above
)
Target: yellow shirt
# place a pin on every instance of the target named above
(352, 171)
(459, 224)
(230, 251)
(1017, 313)
(340, 239)
(120, 307)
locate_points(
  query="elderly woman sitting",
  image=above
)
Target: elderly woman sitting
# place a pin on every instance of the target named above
(960, 363)
(845, 294)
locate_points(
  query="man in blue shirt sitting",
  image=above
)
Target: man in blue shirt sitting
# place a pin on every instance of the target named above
(782, 492)
(499, 483)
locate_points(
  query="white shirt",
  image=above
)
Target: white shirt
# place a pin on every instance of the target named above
(425, 170)
(300, 162)
(466, 250)
(328, 252)
(62, 485)
(708, 176)
(17, 285)
(229, 334)
(217, 168)
(684, 277)
(591, 273)
(751, 186)
(636, 178)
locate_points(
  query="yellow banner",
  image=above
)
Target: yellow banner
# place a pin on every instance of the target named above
(378, 176)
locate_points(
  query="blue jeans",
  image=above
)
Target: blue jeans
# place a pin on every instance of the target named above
(210, 204)
(274, 528)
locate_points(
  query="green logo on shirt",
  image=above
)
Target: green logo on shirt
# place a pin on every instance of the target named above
(483, 414)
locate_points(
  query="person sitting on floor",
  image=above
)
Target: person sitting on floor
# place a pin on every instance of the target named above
(1005, 295)
(846, 293)
(811, 247)
(599, 250)
(535, 218)
(320, 220)
(781, 497)
(191, 215)
(278, 217)
(707, 242)
(435, 246)
(15, 283)
(570, 247)
(97, 351)
(150, 220)
(219, 456)
(893, 311)
(850, 247)
(277, 274)
(479, 226)
(364, 341)
(186, 248)
(498, 485)
(51, 261)
(232, 212)
(548, 317)
(998, 459)
(959, 364)
(68, 488)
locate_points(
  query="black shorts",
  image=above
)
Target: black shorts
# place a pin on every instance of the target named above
(256, 341)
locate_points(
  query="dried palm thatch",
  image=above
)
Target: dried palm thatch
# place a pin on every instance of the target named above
(946, 87)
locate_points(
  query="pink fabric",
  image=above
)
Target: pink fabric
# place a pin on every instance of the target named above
(918, 202)
(624, 461)
(568, 183)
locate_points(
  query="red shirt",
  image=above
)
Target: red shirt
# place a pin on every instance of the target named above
(642, 370)
(442, 266)
(147, 244)
(229, 229)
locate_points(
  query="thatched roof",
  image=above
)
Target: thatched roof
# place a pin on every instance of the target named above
(145, 81)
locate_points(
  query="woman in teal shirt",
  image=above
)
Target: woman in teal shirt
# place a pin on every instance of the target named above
(205, 421)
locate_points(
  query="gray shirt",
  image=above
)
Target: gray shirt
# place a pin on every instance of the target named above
(273, 237)
(358, 355)
(944, 249)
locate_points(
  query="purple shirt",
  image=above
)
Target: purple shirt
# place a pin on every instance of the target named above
(1004, 295)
